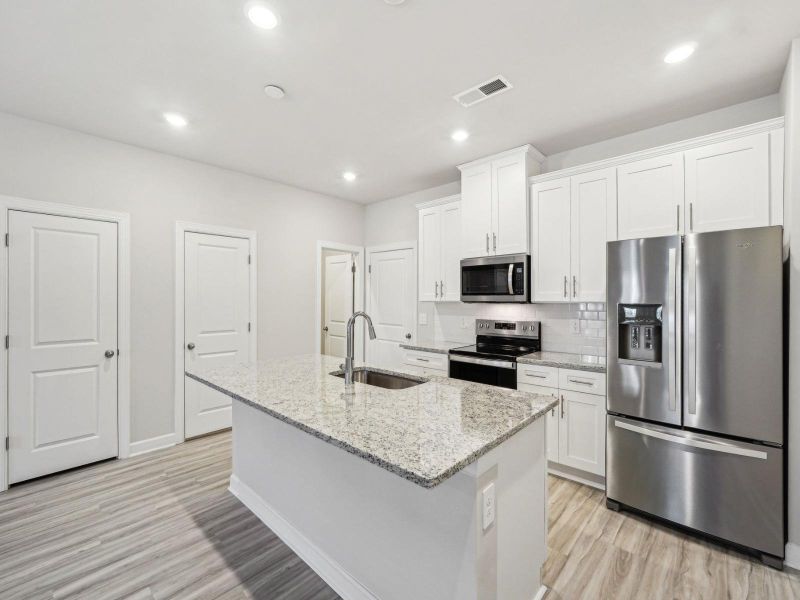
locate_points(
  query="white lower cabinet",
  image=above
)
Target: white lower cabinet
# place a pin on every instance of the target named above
(418, 362)
(576, 431)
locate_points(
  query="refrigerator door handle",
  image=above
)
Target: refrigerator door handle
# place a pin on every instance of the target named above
(691, 327)
(694, 443)
(674, 323)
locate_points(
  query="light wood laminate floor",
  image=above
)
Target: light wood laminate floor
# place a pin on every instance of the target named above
(164, 526)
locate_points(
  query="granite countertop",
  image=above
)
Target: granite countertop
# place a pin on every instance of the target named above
(437, 347)
(425, 433)
(564, 360)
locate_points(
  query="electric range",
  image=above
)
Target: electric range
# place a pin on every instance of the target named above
(492, 359)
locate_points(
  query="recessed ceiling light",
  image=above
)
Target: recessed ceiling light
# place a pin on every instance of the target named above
(274, 91)
(680, 53)
(261, 16)
(349, 176)
(459, 135)
(175, 119)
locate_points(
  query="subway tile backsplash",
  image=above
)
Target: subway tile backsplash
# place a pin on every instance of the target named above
(578, 328)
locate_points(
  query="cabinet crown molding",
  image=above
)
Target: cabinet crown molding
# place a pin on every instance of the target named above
(703, 140)
(528, 149)
(438, 202)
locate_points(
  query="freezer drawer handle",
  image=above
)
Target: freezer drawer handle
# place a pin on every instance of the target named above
(727, 449)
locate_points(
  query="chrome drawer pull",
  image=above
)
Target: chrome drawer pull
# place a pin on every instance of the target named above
(580, 382)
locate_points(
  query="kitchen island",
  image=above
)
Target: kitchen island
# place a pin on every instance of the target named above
(434, 491)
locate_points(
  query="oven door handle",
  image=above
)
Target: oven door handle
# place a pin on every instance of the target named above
(510, 279)
(503, 364)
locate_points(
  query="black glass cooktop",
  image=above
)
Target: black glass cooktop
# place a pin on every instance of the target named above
(498, 350)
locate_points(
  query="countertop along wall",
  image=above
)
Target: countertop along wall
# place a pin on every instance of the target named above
(43, 162)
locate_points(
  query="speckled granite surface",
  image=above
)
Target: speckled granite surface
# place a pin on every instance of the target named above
(437, 347)
(563, 360)
(425, 433)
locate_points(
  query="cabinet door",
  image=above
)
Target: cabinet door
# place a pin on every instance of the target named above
(581, 432)
(593, 219)
(476, 211)
(450, 285)
(727, 184)
(430, 233)
(550, 226)
(650, 197)
(509, 206)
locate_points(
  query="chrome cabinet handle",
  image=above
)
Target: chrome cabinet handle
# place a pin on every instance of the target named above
(109, 353)
(190, 345)
(436, 294)
(574, 286)
(487, 243)
(553, 412)
(441, 289)
(562, 406)
(565, 286)
(494, 242)
(691, 216)
(420, 359)
(536, 376)
(580, 382)
(678, 221)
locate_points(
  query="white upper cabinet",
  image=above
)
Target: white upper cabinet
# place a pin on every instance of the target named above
(550, 228)
(439, 252)
(450, 290)
(430, 234)
(571, 220)
(728, 184)
(510, 205)
(476, 210)
(650, 197)
(594, 222)
(494, 203)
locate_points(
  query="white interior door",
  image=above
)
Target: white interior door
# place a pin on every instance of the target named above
(217, 322)
(62, 362)
(391, 303)
(338, 302)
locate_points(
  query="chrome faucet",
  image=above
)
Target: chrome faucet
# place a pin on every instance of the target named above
(347, 367)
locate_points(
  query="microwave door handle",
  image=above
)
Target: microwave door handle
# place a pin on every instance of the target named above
(511, 279)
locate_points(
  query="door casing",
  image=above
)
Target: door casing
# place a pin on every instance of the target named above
(8, 203)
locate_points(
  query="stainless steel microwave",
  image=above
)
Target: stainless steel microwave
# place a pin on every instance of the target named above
(496, 278)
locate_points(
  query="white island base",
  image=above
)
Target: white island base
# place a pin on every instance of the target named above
(369, 533)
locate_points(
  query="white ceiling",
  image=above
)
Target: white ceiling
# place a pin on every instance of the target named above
(369, 85)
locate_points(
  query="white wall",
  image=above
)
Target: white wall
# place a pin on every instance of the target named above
(736, 115)
(790, 103)
(43, 162)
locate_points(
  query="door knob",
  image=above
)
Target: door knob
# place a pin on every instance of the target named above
(408, 336)
(190, 345)
(109, 353)
(325, 328)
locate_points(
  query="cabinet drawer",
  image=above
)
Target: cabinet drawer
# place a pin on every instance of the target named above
(537, 389)
(587, 382)
(426, 360)
(537, 375)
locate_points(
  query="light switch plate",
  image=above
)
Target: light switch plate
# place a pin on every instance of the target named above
(575, 326)
(488, 496)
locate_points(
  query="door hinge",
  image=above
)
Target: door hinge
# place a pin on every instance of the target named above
(248, 326)
(6, 342)
(6, 240)
(249, 261)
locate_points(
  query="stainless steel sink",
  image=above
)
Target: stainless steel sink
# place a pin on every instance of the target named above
(380, 379)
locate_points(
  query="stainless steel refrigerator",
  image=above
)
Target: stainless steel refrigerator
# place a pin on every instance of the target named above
(695, 419)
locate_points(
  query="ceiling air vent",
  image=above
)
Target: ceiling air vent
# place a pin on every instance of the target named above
(482, 91)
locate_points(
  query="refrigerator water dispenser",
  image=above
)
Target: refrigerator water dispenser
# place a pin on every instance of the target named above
(640, 332)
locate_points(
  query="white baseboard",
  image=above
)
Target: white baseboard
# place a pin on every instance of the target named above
(792, 556)
(323, 565)
(150, 445)
(567, 473)
(541, 593)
